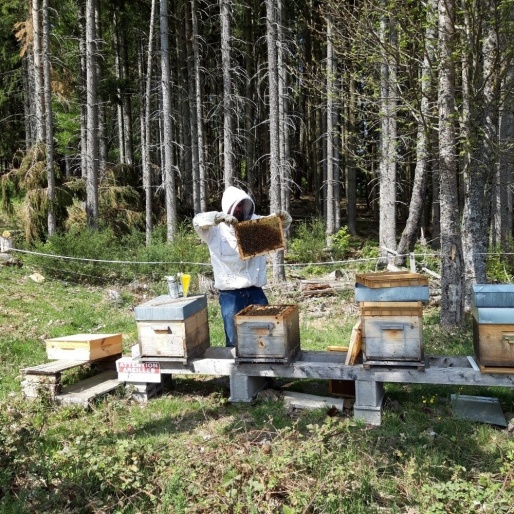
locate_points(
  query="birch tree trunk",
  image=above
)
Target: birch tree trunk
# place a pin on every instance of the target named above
(92, 118)
(452, 305)
(387, 165)
(228, 110)
(168, 164)
(50, 174)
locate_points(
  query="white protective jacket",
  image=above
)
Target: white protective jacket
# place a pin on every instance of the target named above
(230, 271)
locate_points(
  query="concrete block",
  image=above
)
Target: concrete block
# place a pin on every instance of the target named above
(369, 394)
(243, 388)
(370, 415)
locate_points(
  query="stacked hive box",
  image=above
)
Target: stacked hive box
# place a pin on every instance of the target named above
(391, 312)
(267, 333)
(175, 328)
(493, 327)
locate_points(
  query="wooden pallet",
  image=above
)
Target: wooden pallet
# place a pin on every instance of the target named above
(45, 379)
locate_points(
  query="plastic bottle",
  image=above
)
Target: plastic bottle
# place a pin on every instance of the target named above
(172, 286)
(179, 282)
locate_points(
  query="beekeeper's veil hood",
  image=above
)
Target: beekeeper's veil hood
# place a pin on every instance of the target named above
(232, 197)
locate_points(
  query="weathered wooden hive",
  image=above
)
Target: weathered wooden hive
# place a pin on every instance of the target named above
(267, 333)
(175, 328)
(391, 312)
(259, 236)
(493, 327)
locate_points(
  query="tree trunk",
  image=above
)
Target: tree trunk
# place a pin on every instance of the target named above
(409, 235)
(330, 197)
(351, 170)
(452, 305)
(388, 136)
(503, 218)
(285, 164)
(228, 114)
(83, 89)
(275, 197)
(167, 141)
(50, 174)
(38, 72)
(200, 202)
(146, 130)
(92, 118)
(477, 206)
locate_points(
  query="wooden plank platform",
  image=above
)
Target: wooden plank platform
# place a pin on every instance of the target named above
(46, 378)
(84, 392)
(51, 368)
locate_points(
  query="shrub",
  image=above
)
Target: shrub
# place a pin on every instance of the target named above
(308, 242)
(103, 256)
(341, 243)
(500, 267)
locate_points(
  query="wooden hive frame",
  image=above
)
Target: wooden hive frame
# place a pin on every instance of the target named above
(259, 236)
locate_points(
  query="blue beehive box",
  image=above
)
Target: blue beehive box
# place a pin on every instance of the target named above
(391, 286)
(492, 306)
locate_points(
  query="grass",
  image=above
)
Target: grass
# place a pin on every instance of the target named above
(191, 451)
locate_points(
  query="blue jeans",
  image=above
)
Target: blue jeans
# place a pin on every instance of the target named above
(231, 302)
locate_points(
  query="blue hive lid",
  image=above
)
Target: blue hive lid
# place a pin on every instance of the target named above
(493, 295)
(165, 308)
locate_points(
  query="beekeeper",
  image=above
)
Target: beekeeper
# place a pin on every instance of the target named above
(238, 281)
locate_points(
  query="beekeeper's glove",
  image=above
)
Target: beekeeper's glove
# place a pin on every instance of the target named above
(285, 217)
(221, 217)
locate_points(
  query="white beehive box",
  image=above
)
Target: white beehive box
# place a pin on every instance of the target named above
(176, 328)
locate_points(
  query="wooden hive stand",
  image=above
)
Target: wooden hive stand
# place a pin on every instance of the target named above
(45, 379)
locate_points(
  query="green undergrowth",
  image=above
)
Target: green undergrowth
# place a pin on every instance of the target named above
(191, 451)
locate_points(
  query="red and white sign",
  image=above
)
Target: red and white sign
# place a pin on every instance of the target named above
(134, 371)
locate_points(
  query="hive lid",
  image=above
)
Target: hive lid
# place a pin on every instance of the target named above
(259, 236)
(391, 279)
(165, 308)
(493, 295)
